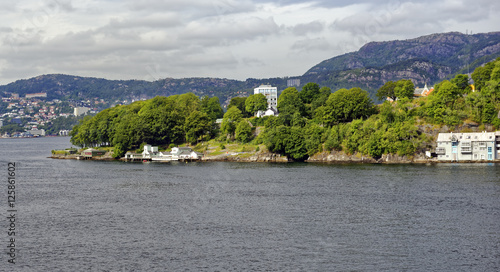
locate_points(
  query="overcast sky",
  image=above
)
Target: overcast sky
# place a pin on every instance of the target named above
(152, 39)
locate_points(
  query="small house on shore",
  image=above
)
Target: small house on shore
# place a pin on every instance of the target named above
(131, 156)
(185, 153)
(152, 153)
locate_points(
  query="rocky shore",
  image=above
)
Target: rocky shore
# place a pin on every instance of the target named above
(324, 157)
(342, 157)
(248, 157)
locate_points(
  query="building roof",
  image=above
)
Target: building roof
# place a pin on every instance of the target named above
(473, 136)
(425, 91)
(181, 150)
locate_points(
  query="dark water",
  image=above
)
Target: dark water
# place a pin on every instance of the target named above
(112, 216)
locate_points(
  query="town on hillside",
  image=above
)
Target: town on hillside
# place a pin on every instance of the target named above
(36, 116)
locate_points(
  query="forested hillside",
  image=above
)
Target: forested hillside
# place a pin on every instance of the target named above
(310, 121)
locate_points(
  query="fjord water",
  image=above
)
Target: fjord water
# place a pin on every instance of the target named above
(115, 216)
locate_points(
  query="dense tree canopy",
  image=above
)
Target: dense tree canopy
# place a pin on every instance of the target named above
(231, 119)
(346, 105)
(289, 103)
(243, 131)
(161, 120)
(309, 92)
(211, 106)
(239, 102)
(402, 88)
(256, 102)
(197, 125)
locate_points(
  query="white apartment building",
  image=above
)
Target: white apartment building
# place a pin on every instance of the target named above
(479, 146)
(270, 92)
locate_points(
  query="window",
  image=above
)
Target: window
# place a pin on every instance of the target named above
(440, 150)
(490, 149)
(466, 149)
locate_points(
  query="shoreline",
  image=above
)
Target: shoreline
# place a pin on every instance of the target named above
(323, 158)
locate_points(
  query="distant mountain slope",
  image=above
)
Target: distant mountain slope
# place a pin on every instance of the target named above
(453, 50)
(58, 86)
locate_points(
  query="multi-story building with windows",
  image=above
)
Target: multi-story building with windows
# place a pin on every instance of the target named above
(271, 94)
(481, 146)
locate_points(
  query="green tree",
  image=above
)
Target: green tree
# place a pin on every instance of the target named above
(481, 75)
(197, 124)
(321, 99)
(462, 83)
(404, 89)
(334, 139)
(231, 118)
(256, 102)
(211, 106)
(239, 102)
(243, 131)
(314, 135)
(387, 90)
(346, 105)
(289, 103)
(186, 103)
(309, 92)
(285, 140)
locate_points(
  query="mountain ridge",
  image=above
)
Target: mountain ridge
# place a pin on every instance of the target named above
(426, 59)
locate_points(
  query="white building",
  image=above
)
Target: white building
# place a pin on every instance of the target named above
(295, 82)
(479, 146)
(271, 94)
(268, 112)
(425, 91)
(37, 132)
(178, 153)
(64, 132)
(149, 151)
(80, 111)
(34, 95)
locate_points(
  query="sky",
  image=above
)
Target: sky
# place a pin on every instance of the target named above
(151, 40)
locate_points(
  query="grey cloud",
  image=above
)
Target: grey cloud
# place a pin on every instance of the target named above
(411, 18)
(194, 8)
(230, 31)
(252, 62)
(304, 29)
(151, 21)
(308, 45)
(64, 5)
